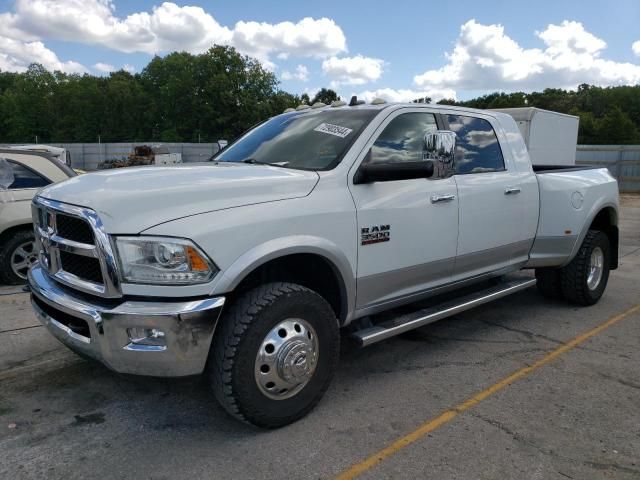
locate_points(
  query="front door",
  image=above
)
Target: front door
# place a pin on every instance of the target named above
(407, 229)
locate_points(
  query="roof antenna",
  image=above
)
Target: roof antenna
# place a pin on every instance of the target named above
(354, 101)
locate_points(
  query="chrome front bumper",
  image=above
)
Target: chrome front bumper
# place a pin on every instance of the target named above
(99, 330)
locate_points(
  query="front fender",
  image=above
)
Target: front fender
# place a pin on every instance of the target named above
(296, 244)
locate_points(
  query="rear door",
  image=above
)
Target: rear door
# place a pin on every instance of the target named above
(491, 235)
(406, 237)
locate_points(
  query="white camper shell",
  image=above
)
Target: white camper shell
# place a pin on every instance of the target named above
(551, 137)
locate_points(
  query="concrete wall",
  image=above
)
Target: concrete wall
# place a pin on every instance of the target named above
(623, 161)
(87, 156)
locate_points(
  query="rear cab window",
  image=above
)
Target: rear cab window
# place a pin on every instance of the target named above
(477, 146)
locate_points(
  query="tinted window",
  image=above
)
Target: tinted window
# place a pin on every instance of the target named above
(309, 140)
(25, 178)
(477, 147)
(403, 139)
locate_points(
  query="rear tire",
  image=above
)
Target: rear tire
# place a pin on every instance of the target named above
(17, 255)
(585, 278)
(274, 354)
(549, 283)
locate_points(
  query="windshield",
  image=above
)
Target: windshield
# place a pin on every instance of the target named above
(315, 140)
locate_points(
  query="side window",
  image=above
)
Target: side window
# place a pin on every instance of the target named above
(477, 147)
(25, 178)
(403, 139)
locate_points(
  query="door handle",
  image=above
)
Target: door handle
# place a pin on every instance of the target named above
(442, 198)
(511, 190)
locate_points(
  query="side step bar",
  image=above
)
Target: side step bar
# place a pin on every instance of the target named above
(409, 321)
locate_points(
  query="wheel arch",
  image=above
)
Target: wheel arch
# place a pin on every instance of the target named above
(605, 219)
(313, 262)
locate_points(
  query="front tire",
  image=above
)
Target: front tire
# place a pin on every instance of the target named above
(274, 354)
(585, 278)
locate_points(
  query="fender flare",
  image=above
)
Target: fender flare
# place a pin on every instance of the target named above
(593, 213)
(283, 246)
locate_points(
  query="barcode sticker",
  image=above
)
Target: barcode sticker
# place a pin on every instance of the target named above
(336, 130)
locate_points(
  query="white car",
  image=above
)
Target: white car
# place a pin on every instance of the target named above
(247, 267)
(30, 171)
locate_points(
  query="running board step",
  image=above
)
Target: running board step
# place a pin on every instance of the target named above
(409, 321)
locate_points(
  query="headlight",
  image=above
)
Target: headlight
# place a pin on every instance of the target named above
(163, 260)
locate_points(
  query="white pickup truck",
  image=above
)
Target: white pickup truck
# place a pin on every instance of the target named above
(247, 267)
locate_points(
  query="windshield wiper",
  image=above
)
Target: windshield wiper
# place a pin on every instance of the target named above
(253, 161)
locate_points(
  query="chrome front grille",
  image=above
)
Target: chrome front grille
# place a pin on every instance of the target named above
(73, 247)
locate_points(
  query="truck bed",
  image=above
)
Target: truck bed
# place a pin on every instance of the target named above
(569, 203)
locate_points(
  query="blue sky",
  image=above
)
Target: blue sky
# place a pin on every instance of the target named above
(397, 50)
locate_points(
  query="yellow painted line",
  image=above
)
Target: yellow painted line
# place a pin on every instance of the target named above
(448, 415)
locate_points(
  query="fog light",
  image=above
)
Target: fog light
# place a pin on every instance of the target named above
(146, 339)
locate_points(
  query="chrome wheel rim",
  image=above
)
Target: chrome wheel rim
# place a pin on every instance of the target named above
(287, 359)
(595, 268)
(22, 258)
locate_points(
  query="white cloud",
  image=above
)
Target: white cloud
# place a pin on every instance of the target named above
(307, 38)
(16, 56)
(636, 48)
(405, 95)
(485, 58)
(128, 68)
(301, 73)
(356, 70)
(104, 67)
(168, 27)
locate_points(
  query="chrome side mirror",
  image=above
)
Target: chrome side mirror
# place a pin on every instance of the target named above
(440, 147)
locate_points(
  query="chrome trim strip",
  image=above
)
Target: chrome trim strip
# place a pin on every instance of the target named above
(378, 333)
(79, 283)
(70, 246)
(132, 347)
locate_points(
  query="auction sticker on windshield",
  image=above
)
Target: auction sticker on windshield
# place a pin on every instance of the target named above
(331, 129)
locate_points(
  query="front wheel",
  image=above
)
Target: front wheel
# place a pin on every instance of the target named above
(274, 354)
(585, 278)
(17, 255)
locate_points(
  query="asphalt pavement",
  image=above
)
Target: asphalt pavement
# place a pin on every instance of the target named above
(573, 413)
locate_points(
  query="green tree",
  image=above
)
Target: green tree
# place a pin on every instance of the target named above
(221, 93)
(304, 98)
(616, 128)
(326, 96)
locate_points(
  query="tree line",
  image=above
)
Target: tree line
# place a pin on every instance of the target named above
(219, 94)
(608, 115)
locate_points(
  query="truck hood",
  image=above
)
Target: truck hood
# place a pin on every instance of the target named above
(130, 200)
